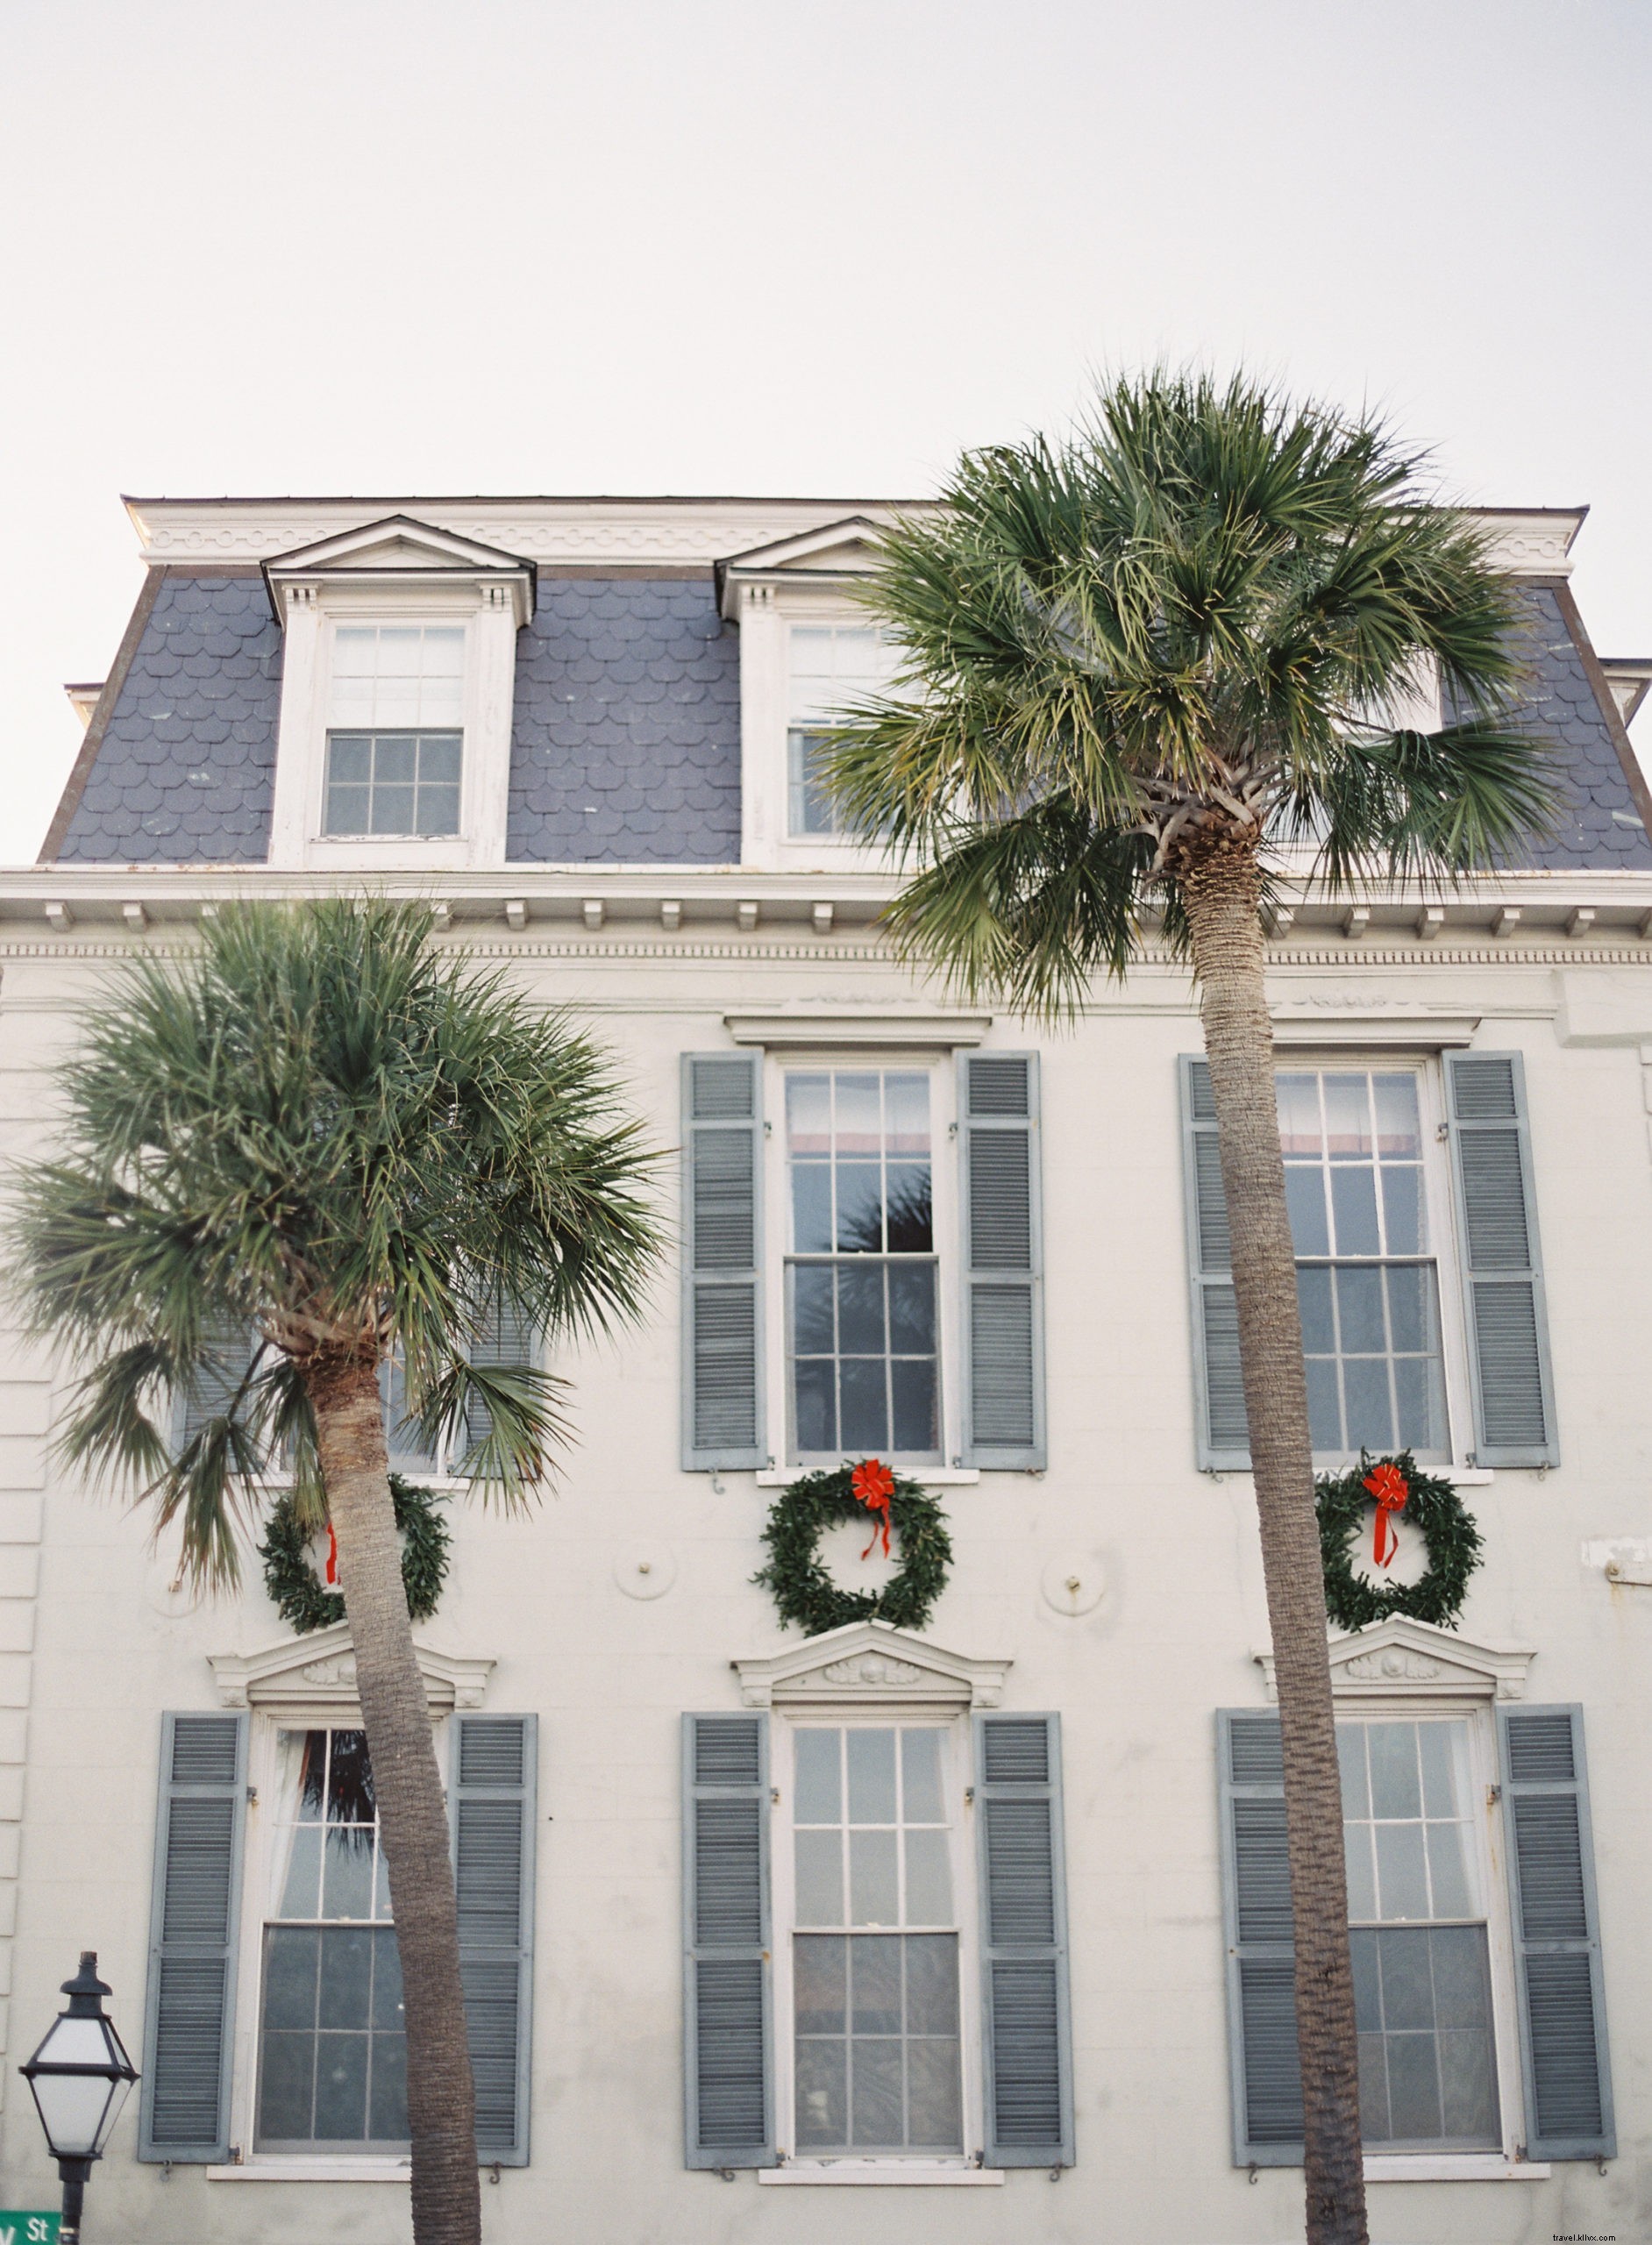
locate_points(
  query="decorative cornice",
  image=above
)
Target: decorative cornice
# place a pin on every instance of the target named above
(1413, 1660)
(319, 1670)
(803, 1024)
(868, 1661)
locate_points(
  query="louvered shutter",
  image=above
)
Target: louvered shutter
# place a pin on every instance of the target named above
(727, 2023)
(495, 1761)
(233, 1349)
(195, 1920)
(1502, 1269)
(1223, 1431)
(1556, 1936)
(507, 1339)
(1004, 1392)
(1267, 2076)
(722, 1296)
(1028, 2060)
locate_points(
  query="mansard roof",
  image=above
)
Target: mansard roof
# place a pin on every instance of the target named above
(626, 742)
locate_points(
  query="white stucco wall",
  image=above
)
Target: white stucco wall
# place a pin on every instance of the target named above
(105, 1648)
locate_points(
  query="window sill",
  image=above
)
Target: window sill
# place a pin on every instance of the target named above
(313, 2171)
(1454, 2167)
(902, 2174)
(936, 1477)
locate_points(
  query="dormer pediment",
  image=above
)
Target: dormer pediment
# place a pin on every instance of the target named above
(319, 1671)
(398, 551)
(1404, 1659)
(835, 552)
(870, 1662)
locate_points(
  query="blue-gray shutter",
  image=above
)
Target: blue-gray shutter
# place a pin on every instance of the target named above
(728, 2025)
(723, 1291)
(1256, 1884)
(998, 1191)
(1028, 2060)
(495, 1765)
(1556, 1935)
(194, 1921)
(506, 1339)
(1502, 1265)
(1223, 1430)
(233, 1351)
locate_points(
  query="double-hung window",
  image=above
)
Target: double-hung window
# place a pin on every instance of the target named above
(862, 1276)
(875, 1964)
(395, 730)
(862, 1339)
(832, 666)
(876, 1942)
(1473, 1931)
(1409, 1188)
(332, 2043)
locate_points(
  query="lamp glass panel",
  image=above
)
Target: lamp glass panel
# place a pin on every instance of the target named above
(72, 2110)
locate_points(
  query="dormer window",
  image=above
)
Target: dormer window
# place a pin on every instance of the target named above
(397, 683)
(831, 667)
(395, 739)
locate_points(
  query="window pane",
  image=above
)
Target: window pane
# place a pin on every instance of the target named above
(876, 2123)
(823, 2100)
(1359, 1309)
(301, 1889)
(930, 1879)
(1395, 1790)
(1299, 1103)
(350, 758)
(291, 1963)
(1413, 2087)
(389, 2010)
(287, 2090)
(1350, 1757)
(821, 1967)
(1410, 1301)
(1443, 1755)
(1362, 1882)
(1399, 1130)
(394, 760)
(346, 1983)
(1408, 1980)
(874, 1984)
(916, 1421)
(1402, 1210)
(1348, 1118)
(865, 1405)
(859, 1208)
(809, 1114)
(932, 1983)
(907, 1114)
(815, 1405)
(860, 1310)
(934, 2095)
(812, 1208)
(348, 809)
(912, 1308)
(910, 1226)
(1447, 1872)
(1305, 1200)
(920, 1776)
(341, 2088)
(1354, 1210)
(820, 1877)
(437, 810)
(1314, 1300)
(860, 1114)
(438, 759)
(1325, 1408)
(819, 1780)
(1402, 1888)
(872, 1896)
(392, 811)
(1369, 1412)
(387, 2116)
(871, 1779)
(346, 1884)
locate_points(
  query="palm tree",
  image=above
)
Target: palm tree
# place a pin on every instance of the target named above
(1135, 663)
(307, 1144)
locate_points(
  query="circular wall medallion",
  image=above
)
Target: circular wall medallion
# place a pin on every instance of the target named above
(645, 1571)
(1076, 1584)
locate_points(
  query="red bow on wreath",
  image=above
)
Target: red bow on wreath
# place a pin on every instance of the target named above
(332, 1554)
(1387, 1485)
(873, 1484)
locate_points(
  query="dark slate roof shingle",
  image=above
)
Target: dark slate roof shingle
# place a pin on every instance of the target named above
(187, 765)
(628, 704)
(1600, 823)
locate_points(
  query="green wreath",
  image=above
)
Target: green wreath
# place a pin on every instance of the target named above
(1452, 1541)
(804, 1592)
(306, 1602)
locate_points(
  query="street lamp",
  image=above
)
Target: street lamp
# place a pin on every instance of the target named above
(80, 2076)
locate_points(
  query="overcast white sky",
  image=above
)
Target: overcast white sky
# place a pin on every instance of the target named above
(799, 245)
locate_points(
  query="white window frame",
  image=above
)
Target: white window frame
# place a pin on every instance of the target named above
(767, 614)
(1492, 1867)
(946, 1218)
(263, 1764)
(1441, 1219)
(487, 619)
(958, 1780)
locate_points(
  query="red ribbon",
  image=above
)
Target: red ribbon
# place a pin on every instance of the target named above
(1387, 1485)
(873, 1484)
(332, 1554)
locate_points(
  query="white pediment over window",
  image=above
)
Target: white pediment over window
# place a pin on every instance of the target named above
(869, 1661)
(1413, 1660)
(319, 1670)
(399, 551)
(846, 549)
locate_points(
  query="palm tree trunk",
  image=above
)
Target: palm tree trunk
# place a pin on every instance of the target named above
(344, 1394)
(1223, 893)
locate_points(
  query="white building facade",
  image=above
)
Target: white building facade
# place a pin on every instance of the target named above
(992, 1911)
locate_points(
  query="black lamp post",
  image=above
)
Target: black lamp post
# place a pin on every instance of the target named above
(80, 2075)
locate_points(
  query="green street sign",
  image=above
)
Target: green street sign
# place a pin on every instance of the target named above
(26, 2229)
